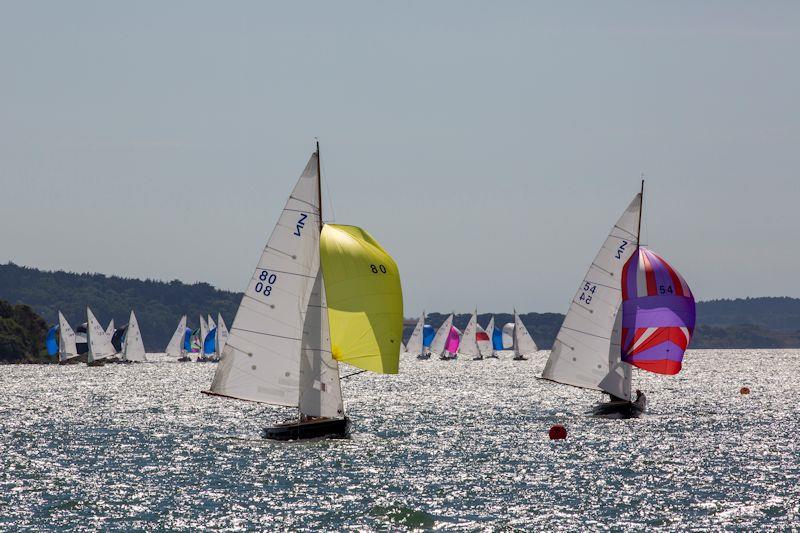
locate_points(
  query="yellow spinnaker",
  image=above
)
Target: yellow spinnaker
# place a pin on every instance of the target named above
(365, 301)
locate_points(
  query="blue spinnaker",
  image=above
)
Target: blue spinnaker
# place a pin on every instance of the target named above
(210, 346)
(428, 333)
(52, 344)
(497, 339)
(187, 340)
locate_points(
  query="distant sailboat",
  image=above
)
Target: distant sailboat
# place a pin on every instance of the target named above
(133, 346)
(523, 342)
(222, 334)
(67, 348)
(320, 295)
(177, 343)
(416, 344)
(469, 340)
(486, 341)
(632, 308)
(100, 347)
(111, 329)
(204, 331)
(443, 340)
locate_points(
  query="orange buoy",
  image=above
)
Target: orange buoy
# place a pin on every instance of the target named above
(558, 432)
(744, 390)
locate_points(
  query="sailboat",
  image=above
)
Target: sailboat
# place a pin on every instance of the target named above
(222, 334)
(523, 342)
(67, 349)
(203, 357)
(133, 346)
(321, 294)
(631, 309)
(444, 345)
(488, 345)
(469, 340)
(100, 347)
(177, 343)
(416, 342)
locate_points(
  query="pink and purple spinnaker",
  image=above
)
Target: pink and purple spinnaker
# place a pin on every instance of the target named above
(453, 340)
(658, 314)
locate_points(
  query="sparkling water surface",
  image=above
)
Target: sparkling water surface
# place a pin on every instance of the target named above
(446, 444)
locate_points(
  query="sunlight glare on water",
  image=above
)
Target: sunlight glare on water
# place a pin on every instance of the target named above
(453, 445)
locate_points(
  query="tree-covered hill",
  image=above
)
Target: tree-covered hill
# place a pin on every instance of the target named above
(158, 305)
(739, 323)
(22, 334)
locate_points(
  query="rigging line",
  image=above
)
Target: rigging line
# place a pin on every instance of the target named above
(626, 231)
(353, 374)
(271, 270)
(586, 333)
(328, 192)
(302, 201)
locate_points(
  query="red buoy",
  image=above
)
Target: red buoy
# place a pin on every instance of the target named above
(558, 432)
(744, 390)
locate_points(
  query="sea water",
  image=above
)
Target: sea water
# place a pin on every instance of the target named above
(457, 445)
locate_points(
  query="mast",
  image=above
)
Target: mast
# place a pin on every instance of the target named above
(319, 188)
(641, 208)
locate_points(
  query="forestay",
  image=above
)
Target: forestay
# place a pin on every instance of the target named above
(364, 297)
(580, 354)
(261, 360)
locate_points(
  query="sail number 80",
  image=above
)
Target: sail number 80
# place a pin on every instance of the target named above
(267, 281)
(376, 269)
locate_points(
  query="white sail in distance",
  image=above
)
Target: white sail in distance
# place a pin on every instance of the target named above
(523, 342)
(110, 330)
(414, 344)
(175, 346)
(133, 347)
(487, 348)
(440, 339)
(469, 342)
(222, 333)
(66, 342)
(580, 354)
(203, 334)
(98, 341)
(262, 359)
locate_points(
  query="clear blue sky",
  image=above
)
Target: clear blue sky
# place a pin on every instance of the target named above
(488, 145)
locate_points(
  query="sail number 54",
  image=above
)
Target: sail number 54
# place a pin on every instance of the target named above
(265, 283)
(587, 292)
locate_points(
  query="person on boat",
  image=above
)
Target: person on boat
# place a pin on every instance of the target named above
(639, 395)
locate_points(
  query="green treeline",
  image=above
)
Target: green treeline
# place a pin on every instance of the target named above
(22, 334)
(738, 323)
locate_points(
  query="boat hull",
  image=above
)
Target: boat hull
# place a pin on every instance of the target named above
(621, 409)
(327, 428)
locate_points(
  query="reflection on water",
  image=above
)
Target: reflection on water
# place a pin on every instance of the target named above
(459, 445)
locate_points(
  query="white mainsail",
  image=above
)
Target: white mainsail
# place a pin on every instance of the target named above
(66, 342)
(203, 334)
(211, 324)
(133, 347)
(99, 342)
(439, 340)
(415, 340)
(110, 330)
(469, 342)
(487, 348)
(262, 358)
(580, 354)
(175, 346)
(523, 342)
(222, 333)
(320, 391)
